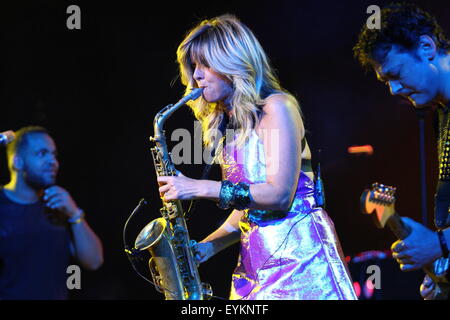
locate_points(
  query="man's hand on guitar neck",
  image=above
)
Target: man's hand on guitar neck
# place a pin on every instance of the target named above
(419, 249)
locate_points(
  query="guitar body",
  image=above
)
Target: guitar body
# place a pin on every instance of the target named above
(378, 202)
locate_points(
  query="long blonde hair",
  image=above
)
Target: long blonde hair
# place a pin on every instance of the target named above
(228, 47)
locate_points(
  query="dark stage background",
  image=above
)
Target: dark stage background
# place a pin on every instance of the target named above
(97, 90)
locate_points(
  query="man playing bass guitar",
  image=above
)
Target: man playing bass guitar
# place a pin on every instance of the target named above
(411, 55)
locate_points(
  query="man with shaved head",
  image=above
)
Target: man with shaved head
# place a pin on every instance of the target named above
(41, 226)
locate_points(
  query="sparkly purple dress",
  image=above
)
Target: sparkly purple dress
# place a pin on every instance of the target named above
(292, 255)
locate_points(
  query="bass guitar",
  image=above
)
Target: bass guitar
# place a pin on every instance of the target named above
(379, 202)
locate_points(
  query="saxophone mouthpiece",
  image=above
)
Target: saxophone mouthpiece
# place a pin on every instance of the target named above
(195, 94)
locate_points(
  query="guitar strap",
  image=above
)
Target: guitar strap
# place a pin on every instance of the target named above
(442, 196)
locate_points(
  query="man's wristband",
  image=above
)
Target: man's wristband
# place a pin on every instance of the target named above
(443, 243)
(76, 218)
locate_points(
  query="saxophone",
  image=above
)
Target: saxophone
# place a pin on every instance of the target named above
(172, 264)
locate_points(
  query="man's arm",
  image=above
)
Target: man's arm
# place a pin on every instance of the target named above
(420, 248)
(86, 247)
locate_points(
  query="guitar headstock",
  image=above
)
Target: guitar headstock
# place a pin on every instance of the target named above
(379, 202)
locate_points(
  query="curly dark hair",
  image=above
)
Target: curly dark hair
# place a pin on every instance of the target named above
(402, 24)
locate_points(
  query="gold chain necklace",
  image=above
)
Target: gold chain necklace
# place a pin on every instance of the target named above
(444, 146)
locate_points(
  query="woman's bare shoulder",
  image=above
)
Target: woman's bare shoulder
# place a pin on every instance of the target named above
(280, 107)
(280, 100)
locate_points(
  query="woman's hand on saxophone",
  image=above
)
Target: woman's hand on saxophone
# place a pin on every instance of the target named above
(181, 187)
(203, 251)
(178, 187)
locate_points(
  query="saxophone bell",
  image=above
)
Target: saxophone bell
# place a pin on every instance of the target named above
(150, 234)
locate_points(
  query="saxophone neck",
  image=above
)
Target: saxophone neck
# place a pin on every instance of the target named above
(168, 110)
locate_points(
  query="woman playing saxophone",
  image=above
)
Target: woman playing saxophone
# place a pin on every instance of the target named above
(289, 248)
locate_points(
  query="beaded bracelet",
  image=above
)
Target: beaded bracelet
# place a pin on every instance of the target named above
(234, 195)
(226, 195)
(77, 218)
(241, 196)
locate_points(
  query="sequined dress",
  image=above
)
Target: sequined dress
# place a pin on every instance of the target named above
(292, 255)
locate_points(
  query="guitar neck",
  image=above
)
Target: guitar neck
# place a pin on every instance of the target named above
(397, 226)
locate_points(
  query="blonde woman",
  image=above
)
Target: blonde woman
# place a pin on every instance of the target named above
(289, 248)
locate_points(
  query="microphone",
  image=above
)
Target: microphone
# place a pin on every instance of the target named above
(6, 137)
